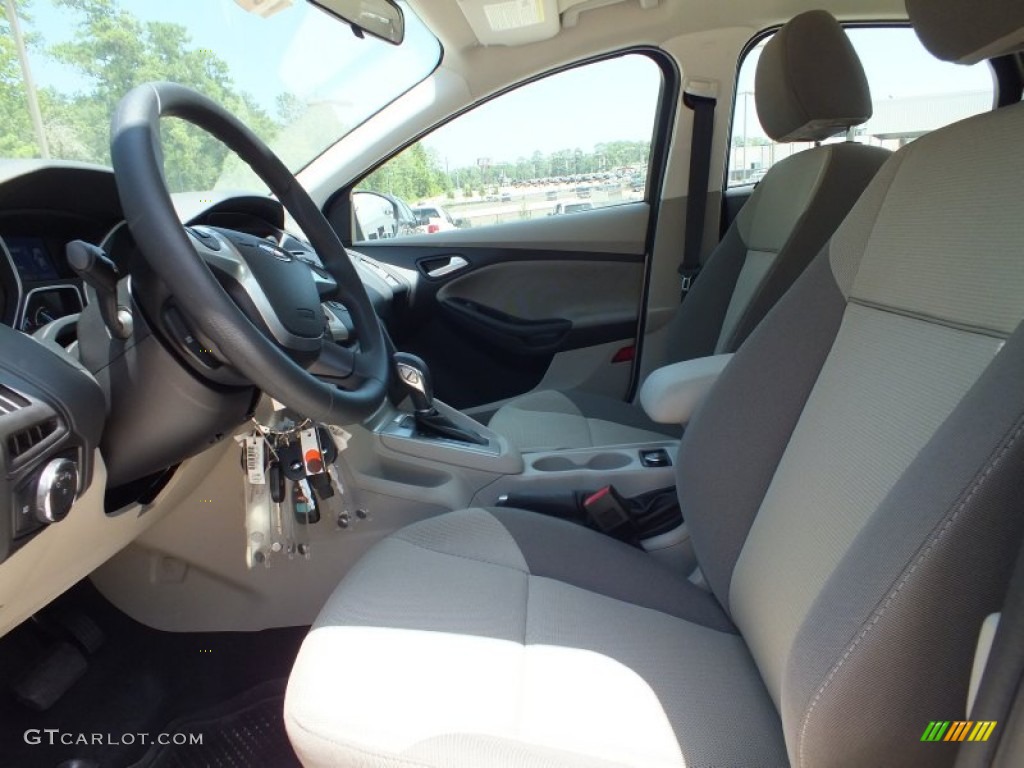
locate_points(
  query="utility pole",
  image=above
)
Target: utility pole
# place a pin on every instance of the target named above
(30, 85)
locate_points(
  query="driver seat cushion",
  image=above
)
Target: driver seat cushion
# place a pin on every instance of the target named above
(501, 637)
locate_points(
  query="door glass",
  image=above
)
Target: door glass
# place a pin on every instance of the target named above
(568, 143)
(912, 93)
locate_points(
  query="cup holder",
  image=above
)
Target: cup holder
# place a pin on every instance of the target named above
(602, 462)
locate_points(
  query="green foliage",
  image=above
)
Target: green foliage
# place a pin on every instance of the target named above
(412, 174)
(16, 137)
(115, 51)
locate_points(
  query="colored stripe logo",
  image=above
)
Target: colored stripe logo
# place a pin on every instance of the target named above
(958, 730)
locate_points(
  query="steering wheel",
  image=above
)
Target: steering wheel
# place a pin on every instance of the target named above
(271, 328)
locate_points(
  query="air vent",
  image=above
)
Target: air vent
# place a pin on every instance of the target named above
(23, 441)
(10, 401)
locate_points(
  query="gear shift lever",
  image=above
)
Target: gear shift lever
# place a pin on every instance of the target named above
(415, 377)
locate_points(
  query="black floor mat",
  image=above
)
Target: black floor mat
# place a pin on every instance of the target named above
(246, 731)
(137, 682)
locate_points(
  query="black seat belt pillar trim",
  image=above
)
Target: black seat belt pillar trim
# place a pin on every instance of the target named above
(1003, 675)
(700, 96)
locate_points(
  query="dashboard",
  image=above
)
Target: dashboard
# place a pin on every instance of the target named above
(58, 407)
(42, 207)
(45, 205)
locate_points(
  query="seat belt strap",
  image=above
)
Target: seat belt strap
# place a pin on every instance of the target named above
(701, 97)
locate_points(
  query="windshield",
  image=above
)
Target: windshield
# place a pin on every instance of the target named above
(295, 75)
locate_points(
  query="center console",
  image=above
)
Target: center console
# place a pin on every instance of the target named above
(435, 454)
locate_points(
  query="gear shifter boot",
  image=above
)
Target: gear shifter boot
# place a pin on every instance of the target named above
(433, 423)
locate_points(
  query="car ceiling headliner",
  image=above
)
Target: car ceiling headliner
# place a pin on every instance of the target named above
(618, 26)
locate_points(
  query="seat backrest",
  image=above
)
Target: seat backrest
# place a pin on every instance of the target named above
(854, 484)
(809, 85)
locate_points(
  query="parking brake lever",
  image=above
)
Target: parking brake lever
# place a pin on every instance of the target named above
(99, 272)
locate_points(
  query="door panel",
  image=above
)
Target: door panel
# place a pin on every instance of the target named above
(532, 212)
(490, 319)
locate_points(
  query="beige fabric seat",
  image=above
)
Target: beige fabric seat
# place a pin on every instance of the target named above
(852, 548)
(810, 85)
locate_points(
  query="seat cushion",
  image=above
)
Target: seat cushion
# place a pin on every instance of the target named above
(501, 637)
(551, 420)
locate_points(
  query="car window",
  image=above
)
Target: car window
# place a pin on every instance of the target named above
(294, 75)
(912, 93)
(542, 149)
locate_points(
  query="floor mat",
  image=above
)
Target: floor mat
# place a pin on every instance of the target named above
(138, 681)
(245, 731)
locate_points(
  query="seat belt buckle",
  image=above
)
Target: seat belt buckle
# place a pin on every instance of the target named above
(607, 510)
(686, 277)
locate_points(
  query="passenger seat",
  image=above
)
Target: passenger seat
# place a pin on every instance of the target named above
(809, 85)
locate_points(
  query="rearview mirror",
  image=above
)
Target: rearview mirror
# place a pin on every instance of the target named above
(381, 18)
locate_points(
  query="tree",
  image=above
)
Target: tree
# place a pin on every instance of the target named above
(115, 51)
(413, 174)
(16, 138)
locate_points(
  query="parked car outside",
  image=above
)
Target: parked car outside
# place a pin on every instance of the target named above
(434, 218)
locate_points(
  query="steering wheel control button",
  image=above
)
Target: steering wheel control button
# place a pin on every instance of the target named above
(56, 490)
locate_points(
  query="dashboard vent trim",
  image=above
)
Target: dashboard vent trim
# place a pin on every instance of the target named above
(24, 440)
(11, 401)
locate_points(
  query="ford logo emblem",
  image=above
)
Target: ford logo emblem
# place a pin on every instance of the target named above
(278, 253)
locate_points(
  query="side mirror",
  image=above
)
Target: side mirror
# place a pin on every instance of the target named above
(375, 216)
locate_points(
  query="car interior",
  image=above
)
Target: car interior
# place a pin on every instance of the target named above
(355, 451)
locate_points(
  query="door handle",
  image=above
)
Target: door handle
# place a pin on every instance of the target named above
(442, 266)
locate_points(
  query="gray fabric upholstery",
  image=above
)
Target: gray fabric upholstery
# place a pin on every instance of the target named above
(698, 322)
(854, 487)
(748, 418)
(849, 169)
(788, 219)
(809, 83)
(938, 550)
(887, 385)
(968, 32)
(447, 647)
(551, 420)
(550, 548)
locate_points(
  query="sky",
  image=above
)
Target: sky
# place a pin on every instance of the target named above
(300, 50)
(304, 52)
(558, 112)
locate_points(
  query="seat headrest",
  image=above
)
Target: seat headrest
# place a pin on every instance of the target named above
(810, 83)
(968, 31)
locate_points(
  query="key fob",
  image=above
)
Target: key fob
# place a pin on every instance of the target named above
(306, 510)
